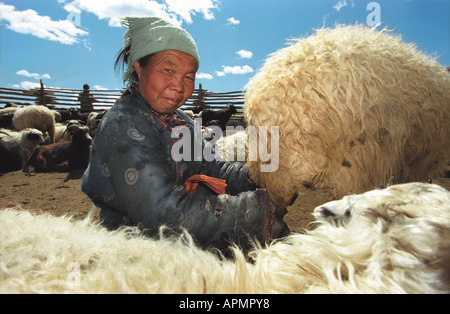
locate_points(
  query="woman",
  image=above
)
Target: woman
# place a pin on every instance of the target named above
(132, 172)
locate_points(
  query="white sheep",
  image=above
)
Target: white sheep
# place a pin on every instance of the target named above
(35, 116)
(8, 110)
(355, 108)
(93, 121)
(189, 113)
(61, 133)
(233, 147)
(29, 138)
(395, 240)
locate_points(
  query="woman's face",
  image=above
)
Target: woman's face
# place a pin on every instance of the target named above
(168, 80)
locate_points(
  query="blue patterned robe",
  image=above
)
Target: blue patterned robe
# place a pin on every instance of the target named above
(132, 174)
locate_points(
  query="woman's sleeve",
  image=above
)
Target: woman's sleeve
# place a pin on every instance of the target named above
(236, 174)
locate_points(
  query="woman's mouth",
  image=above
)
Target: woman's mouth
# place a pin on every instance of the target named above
(173, 101)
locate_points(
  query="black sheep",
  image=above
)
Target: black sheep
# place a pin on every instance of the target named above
(221, 115)
(73, 114)
(63, 156)
(12, 156)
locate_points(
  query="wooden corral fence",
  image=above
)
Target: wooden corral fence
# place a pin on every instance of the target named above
(57, 98)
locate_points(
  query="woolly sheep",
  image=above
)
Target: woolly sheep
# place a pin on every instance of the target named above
(233, 147)
(12, 156)
(189, 113)
(356, 108)
(35, 116)
(93, 121)
(220, 115)
(29, 138)
(73, 114)
(403, 247)
(61, 133)
(6, 115)
(16, 147)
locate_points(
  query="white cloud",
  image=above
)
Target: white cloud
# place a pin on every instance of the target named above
(244, 54)
(66, 32)
(113, 10)
(29, 22)
(234, 70)
(205, 76)
(27, 85)
(185, 8)
(233, 21)
(340, 4)
(237, 69)
(36, 76)
(174, 11)
(72, 9)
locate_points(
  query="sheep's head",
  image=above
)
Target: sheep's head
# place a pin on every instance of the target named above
(34, 136)
(409, 200)
(93, 121)
(80, 132)
(403, 226)
(232, 109)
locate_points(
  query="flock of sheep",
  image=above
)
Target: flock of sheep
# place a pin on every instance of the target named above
(35, 138)
(32, 140)
(356, 108)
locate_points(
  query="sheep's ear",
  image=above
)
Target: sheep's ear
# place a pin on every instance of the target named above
(328, 211)
(396, 209)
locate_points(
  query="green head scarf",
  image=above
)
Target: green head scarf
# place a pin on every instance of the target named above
(149, 35)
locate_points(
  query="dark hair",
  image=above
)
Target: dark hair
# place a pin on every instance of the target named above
(122, 60)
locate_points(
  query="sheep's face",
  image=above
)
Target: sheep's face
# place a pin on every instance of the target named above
(393, 203)
(403, 228)
(81, 132)
(35, 136)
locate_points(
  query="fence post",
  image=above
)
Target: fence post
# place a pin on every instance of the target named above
(44, 98)
(200, 97)
(41, 99)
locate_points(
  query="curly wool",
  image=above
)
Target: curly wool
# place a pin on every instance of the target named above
(37, 117)
(356, 108)
(403, 241)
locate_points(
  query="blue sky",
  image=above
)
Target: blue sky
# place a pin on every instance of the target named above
(68, 43)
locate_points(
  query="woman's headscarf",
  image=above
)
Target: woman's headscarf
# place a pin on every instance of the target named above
(149, 35)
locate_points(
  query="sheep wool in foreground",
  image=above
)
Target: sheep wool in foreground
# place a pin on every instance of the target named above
(403, 246)
(356, 108)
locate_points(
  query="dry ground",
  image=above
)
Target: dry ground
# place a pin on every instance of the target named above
(59, 194)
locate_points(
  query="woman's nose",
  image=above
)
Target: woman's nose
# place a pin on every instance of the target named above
(177, 85)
